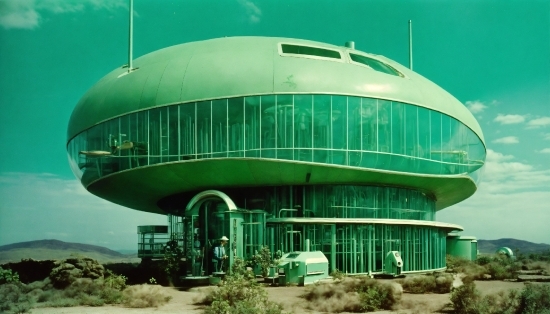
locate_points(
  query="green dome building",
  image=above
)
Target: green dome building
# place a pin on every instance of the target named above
(293, 144)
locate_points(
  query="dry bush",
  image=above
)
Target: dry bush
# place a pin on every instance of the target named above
(499, 303)
(533, 299)
(432, 283)
(69, 270)
(465, 299)
(466, 267)
(418, 307)
(205, 297)
(352, 295)
(13, 298)
(537, 265)
(141, 296)
(83, 291)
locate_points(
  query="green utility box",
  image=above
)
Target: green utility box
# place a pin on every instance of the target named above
(393, 264)
(302, 268)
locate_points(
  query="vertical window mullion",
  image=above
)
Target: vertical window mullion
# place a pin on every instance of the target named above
(227, 127)
(276, 127)
(377, 128)
(196, 132)
(244, 129)
(179, 133)
(391, 127)
(211, 146)
(260, 121)
(347, 131)
(292, 130)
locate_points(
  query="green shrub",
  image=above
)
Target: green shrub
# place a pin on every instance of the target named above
(239, 293)
(534, 299)
(483, 260)
(373, 298)
(337, 274)
(7, 276)
(465, 299)
(115, 281)
(262, 259)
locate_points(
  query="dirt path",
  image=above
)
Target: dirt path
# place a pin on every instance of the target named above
(182, 301)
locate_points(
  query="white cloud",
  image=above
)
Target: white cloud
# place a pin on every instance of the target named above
(509, 118)
(26, 14)
(539, 122)
(547, 136)
(502, 174)
(475, 106)
(507, 140)
(35, 206)
(18, 14)
(59, 6)
(496, 157)
(545, 151)
(252, 11)
(511, 202)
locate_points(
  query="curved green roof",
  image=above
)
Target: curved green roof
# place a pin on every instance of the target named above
(241, 66)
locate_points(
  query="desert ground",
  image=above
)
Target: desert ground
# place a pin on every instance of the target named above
(183, 299)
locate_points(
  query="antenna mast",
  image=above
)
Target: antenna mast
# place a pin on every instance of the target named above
(130, 35)
(410, 45)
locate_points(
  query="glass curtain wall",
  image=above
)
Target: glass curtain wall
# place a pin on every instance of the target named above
(330, 129)
(343, 201)
(362, 248)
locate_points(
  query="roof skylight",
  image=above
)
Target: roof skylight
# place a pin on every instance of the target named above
(310, 51)
(375, 64)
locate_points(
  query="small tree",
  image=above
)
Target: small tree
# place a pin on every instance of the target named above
(263, 260)
(7, 276)
(172, 258)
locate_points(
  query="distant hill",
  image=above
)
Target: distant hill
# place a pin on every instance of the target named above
(524, 247)
(55, 249)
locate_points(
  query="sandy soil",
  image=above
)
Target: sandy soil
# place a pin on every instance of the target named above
(182, 301)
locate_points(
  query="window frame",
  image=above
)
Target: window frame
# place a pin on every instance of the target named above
(342, 54)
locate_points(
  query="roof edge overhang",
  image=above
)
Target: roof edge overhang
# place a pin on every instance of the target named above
(366, 221)
(142, 188)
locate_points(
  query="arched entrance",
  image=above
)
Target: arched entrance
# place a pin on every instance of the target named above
(208, 216)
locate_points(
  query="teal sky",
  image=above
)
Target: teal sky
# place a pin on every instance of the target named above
(494, 56)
